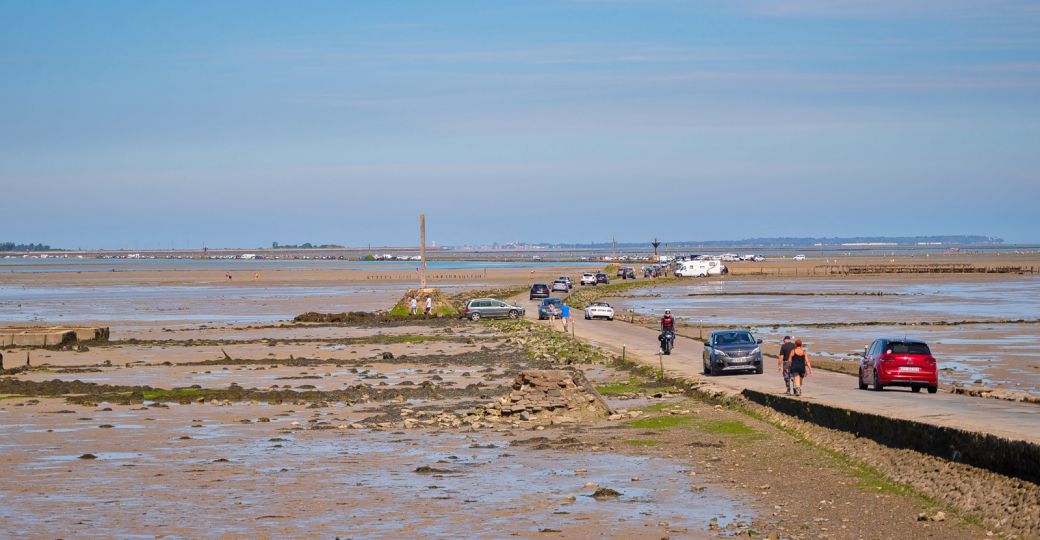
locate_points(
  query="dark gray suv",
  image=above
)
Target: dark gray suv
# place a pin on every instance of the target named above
(491, 308)
(732, 350)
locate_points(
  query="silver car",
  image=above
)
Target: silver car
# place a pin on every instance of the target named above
(491, 308)
(732, 350)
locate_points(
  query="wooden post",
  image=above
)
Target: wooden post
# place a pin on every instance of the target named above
(700, 330)
(422, 251)
(623, 350)
(660, 357)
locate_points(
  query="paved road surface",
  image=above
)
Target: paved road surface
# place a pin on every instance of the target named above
(1004, 418)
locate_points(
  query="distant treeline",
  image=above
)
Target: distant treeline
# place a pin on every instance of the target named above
(305, 245)
(11, 246)
(967, 239)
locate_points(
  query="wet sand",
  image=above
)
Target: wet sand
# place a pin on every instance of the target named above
(146, 297)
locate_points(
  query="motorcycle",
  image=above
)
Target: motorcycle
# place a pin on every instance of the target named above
(667, 339)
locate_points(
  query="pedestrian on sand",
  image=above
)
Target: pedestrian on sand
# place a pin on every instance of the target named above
(429, 305)
(413, 306)
(800, 366)
(783, 361)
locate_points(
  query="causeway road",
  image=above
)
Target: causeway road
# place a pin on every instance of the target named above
(1013, 420)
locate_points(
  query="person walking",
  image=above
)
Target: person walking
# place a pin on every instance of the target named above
(429, 305)
(800, 368)
(413, 306)
(783, 362)
(554, 313)
(565, 316)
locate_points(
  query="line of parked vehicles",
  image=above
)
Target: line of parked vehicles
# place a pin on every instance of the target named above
(885, 362)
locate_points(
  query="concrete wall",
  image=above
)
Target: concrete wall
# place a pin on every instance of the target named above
(29, 336)
(1017, 458)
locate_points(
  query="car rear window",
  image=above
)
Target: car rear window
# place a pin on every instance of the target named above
(899, 347)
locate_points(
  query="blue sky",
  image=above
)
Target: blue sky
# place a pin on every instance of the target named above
(176, 124)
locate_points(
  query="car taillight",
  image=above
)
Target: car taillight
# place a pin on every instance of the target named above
(931, 359)
(467, 309)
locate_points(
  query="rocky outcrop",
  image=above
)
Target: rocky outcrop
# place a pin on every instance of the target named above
(552, 391)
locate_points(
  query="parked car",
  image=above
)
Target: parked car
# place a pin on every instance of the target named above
(899, 362)
(627, 273)
(799, 257)
(546, 305)
(540, 290)
(602, 278)
(599, 310)
(732, 350)
(588, 279)
(491, 308)
(561, 286)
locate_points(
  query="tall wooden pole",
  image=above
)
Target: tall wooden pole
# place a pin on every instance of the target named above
(422, 251)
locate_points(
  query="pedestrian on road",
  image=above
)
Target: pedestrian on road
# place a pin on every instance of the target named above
(800, 366)
(413, 306)
(554, 312)
(783, 361)
(565, 315)
(429, 305)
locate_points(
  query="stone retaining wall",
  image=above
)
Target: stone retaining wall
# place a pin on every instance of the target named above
(1016, 458)
(54, 336)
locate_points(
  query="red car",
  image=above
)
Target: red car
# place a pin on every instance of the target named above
(899, 362)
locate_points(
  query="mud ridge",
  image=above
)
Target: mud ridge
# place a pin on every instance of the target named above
(91, 393)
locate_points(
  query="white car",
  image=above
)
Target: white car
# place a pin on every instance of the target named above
(599, 310)
(799, 257)
(588, 279)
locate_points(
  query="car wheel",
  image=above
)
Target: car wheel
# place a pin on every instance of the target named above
(862, 385)
(933, 389)
(513, 314)
(587, 317)
(610, 318)
(474, 317)
(715, 371)
(759, 370)
(877, 383)
(915, 389)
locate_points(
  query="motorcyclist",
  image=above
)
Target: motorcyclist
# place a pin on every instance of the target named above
(667, 331)
(667, 322)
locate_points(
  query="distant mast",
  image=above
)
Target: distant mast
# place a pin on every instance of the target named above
(422, 251)
(656, 243)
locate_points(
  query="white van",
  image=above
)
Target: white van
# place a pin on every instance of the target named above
(700, 269)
